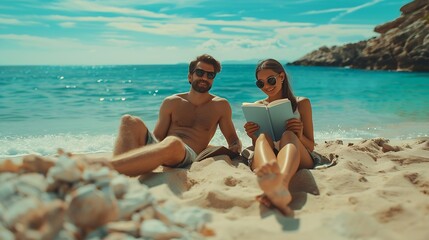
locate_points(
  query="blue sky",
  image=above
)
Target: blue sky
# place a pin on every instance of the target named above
(92, 32)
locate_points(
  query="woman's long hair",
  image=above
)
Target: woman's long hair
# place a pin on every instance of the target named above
(277, 67)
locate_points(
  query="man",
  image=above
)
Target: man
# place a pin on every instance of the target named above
(186, 124)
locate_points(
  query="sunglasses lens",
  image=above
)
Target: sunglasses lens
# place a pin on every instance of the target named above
(259, 84)
(199, 72)
(211, 75)
(271, 81)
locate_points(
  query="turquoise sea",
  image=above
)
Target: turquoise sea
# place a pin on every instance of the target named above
(78, 108)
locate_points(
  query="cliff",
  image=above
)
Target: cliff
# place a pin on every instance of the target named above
(403, 45)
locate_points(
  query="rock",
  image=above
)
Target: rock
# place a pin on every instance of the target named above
(403, 45)
(128, 227)
(9, 166)
(90, 208)
(120, 185)
(134, 201)
(413, 6)
(44, 222)
(155, 229)
(65, 169)
(31, 184)
(71, 198)
(5, 234)
(19, 209)
(35, 163)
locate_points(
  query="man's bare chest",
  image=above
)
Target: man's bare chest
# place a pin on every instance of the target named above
(195, 117)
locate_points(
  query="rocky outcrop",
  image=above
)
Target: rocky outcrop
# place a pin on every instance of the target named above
(403, 45)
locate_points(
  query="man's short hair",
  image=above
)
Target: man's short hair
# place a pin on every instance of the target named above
(206, 59)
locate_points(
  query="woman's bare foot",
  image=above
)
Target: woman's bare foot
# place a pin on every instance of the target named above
(263, 199)
(270, 180)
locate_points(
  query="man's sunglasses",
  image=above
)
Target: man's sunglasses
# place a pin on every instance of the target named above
(271, 80)
(200, 73)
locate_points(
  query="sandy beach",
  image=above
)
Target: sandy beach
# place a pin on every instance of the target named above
(379, 189)
(369, 194)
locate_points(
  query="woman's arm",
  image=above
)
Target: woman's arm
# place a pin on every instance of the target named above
(305, 110)
(303, 128)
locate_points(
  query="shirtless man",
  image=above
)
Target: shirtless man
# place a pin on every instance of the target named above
(186, 124)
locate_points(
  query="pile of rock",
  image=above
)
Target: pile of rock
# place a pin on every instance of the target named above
(69, 198)
(403, 45)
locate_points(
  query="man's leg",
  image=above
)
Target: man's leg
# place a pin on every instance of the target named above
(169, 152)
(132, 134)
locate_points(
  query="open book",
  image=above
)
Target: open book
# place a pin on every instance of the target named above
(271, 118)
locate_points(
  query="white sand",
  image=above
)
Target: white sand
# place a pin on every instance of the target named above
(369, 194)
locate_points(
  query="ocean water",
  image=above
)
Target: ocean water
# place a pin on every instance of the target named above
(78, 108)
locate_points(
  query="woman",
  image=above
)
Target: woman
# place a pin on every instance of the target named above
(276, 162)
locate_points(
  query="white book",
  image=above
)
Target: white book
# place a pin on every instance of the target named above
(271, 118)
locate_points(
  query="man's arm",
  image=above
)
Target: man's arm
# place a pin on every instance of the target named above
(164, 119)
(227, 127)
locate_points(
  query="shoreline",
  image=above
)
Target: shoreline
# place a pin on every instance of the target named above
(394, 141)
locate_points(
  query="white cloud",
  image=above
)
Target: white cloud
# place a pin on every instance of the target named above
(210, 44)
(343, 11)
(188, 27)
(199, 27)
(14, 21)
(89, 19)
(157, 28)
(250, 44)
(354, 9)
(240, 30)
(67, 24)
(10, 21)
(248, 22)
(242, 49)
(287, 43)
(100, 55)
(117, 33)
(42, 42)
(177, 3)
(300, 41)
(334, 30)
(120, 42)
(172, 29)
(224, 15)
(243, 23)
(114, 35)
(314, 12)
(79, 5)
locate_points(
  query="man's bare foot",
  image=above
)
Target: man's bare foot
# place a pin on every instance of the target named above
(271, 182)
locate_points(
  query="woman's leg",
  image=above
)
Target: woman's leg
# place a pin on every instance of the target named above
(274, 176)
(292, 156)
(270, 179)
(263, 152)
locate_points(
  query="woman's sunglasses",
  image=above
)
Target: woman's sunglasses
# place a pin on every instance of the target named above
(271, 80)
(200, 73)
